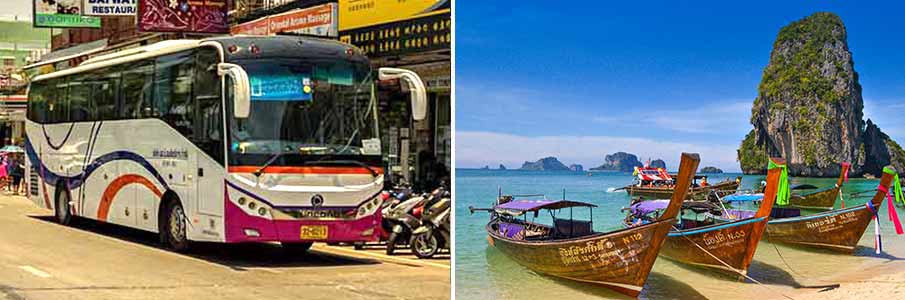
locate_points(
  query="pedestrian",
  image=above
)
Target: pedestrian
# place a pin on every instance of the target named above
(4, 176)
(18, 171)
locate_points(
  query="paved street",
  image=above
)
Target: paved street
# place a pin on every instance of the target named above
(40, 259)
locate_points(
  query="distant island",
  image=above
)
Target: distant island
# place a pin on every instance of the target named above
(502, 167)
(710, 170)
(658, 163)
(545, 164)
(619, 161)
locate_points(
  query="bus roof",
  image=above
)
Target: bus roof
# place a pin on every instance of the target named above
(267, 46)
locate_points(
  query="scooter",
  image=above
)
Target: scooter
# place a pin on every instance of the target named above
(400, 219)
(433, 234)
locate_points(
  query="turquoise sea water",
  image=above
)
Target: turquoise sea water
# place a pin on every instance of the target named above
(484, 273)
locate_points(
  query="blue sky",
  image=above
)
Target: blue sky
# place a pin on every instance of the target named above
(586, 79)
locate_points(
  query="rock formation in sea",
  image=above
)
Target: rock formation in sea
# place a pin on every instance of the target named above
(576, 168)
(710, 170)
(658, 163)
(619, 161)
(502, 167)
(486, 168)
(808, 108)
(545, 164)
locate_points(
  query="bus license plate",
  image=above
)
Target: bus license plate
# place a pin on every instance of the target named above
(313, 232)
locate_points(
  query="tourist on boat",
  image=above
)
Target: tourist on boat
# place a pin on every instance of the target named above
(704, 181)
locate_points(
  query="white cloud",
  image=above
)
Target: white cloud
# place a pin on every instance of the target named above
(719, 117)
(479, 148)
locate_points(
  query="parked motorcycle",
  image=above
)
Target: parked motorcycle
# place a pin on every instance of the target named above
(433, 234)
(400, 219)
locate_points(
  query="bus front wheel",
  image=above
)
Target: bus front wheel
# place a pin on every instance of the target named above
(172, 229)
(61, 209)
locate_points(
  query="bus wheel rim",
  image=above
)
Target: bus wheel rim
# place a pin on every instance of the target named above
(177, 224)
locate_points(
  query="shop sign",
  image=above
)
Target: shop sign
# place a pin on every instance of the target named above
(194, 16)
(363, 13)
(110, 7)
(319, 20)
(62, 13)
(408, 36)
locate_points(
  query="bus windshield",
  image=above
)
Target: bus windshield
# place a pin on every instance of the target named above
(306, 110)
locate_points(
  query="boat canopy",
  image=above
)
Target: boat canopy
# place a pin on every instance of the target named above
(743, 197)
(534, 205)
(646, 207)
(652, 174)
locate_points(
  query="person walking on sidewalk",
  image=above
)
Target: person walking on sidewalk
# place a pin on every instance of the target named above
(16, 172)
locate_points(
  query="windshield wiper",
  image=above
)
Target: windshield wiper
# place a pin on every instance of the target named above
(343, 162)
(270, 161)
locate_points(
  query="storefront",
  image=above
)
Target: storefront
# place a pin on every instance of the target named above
(413, 35)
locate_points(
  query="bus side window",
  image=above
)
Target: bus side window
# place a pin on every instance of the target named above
(209, 115)
(135, 90)
(173, 91)
(104, 83)
(37, 98)
(57, 100)
(79, 94)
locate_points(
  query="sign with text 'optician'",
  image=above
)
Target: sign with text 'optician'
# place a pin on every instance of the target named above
(110, 7)
(62, 13)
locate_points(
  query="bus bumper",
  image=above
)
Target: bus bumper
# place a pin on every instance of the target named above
(241, 227)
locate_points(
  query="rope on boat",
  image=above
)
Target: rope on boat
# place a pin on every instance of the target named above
(732, 268)
(783, 259)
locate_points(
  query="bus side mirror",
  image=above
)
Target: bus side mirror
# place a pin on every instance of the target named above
(413, 83)
(240, 86)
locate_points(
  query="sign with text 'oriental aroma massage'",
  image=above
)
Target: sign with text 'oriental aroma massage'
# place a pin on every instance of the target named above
(318, 20)
(199, 16)
(62, 13)
(396, 27)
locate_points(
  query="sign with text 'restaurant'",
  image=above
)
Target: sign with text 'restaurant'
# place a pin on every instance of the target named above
(110, 7)
(62, 13)
(199, 16)
(318, 20)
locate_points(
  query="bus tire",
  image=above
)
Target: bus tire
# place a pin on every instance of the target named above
(296, 247)
(61, 210)
(173, 227)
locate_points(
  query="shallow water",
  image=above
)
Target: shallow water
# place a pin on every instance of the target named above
(484, 273)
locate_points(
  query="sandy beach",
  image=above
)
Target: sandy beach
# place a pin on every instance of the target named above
(885, 281)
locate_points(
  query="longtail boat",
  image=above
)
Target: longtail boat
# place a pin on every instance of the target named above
(838, 230)
(726, 246)
(570, 249)
(656, 183)
(824, 199)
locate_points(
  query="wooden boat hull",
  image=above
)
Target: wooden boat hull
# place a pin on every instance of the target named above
(823, 199)
(619, 260)
(698, 193)
(837, 230)
(733, 243)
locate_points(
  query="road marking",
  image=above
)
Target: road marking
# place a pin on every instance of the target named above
(35, 271)
(380, 256)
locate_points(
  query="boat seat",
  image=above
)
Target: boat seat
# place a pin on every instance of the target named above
(512, 231)
(779, 213)
(564, 228)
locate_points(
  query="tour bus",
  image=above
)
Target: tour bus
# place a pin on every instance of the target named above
(229, 139)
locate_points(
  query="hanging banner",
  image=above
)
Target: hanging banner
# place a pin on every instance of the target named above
(319, 20)
(110, 7)
(62, 13)
(198, 16)
(362, 13)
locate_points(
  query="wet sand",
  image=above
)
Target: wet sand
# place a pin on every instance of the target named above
(885, 281)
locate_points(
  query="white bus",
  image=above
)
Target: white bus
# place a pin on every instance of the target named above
(231, 139)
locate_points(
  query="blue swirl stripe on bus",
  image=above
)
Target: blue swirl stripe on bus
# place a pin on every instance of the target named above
(77, 180)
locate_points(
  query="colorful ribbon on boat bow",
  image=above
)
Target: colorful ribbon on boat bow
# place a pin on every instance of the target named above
(846, 167)
(783, 193)
(890, 203)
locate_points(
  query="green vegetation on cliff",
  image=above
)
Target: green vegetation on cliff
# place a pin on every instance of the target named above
(751, 156)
